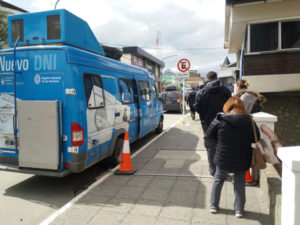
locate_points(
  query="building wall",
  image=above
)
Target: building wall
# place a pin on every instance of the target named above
(286, 106)
(126, 58)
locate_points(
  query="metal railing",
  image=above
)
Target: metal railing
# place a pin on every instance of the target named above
(271, 156)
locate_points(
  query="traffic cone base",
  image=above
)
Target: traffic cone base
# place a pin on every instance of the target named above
(125, 165)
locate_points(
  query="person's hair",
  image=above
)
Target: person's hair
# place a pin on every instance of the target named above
(211, 76)
(242, 83)
(234, 104)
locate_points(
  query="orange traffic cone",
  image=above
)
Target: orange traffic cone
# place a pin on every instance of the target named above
(249, 177)
(125, 165)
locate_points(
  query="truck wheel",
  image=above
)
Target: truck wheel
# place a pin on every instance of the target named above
(160, 126)
(115, 159)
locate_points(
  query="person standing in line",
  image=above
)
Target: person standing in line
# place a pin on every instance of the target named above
(210, 101)
(191, 101)
(252, 102)
(234, 134)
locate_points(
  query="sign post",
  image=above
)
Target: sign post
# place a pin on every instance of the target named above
(183, 66)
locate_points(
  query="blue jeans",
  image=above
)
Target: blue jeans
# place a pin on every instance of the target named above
(238, 185)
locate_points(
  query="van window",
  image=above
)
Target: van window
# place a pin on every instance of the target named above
(144, 90)
(93, 91)
(128, 91)
(154, 90)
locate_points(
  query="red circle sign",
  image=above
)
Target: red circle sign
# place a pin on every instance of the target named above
(183, 65)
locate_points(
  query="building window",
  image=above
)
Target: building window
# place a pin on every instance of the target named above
(263, 37)
(290, 34)
(94, 91)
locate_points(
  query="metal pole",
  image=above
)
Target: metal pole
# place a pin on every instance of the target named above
(15, 93)
(183, 105)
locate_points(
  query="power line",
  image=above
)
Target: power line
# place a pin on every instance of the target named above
(166, 48)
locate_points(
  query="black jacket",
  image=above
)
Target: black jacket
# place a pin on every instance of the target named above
(234, 135)
(191, 99)
(210, 101)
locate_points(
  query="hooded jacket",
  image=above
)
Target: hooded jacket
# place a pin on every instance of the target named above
(252, 100)
(234, 135)
(210, 101)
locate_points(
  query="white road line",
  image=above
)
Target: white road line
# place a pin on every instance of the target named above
(70, 203)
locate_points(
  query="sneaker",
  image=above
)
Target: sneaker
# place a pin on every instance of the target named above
(213, 210)
(239, 214)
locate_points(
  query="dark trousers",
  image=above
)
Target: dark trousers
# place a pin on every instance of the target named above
(210, 145)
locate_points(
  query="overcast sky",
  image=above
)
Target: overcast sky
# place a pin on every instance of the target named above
(192, 29)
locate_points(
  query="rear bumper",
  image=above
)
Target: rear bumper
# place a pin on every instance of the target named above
(173, 107)
(16, 169)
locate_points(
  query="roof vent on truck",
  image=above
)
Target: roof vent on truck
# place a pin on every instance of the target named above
(52, 27)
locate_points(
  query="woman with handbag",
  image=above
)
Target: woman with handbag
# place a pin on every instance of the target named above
(234, 134)
(253, 102)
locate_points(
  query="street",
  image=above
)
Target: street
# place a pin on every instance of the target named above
(30, 199)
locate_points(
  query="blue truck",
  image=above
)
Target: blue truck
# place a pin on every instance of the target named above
(64, 105)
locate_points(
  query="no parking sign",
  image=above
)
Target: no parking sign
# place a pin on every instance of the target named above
(183, 65)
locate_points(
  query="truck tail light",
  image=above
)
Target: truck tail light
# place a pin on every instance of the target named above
(178, 100)
(77, 135)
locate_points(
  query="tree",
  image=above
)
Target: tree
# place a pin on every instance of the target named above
(3, 29)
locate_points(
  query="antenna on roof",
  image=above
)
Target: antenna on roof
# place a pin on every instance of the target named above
(56, 4)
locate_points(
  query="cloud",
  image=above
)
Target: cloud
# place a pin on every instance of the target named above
(192, 29)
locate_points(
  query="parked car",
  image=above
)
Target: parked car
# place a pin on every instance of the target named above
(172, 101)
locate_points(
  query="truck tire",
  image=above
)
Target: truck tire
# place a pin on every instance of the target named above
(115, 158)
(160, 126)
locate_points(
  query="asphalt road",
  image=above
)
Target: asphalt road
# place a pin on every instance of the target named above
(30, 199)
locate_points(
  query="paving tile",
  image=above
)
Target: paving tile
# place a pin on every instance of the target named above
(77, 216)
(203, 216)
(186, 184)
(138, 220)
(116, 180)
(176, 212)
(118, 205)
(164, 221)
(105, 190)
(162, 182)
(129, 192)
(139, 181)
(147, 207)
(155, 194)
(107, 218)
(182, 198)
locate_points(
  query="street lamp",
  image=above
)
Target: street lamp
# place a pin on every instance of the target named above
(56, 4)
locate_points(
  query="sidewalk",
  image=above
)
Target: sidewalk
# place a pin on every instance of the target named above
(171, 186)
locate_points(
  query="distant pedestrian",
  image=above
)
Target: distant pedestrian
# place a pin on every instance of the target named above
(210, 101)
(233, 132)
(252, 100)
(191, 101)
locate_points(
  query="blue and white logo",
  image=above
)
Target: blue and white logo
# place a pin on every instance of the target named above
(37, 79)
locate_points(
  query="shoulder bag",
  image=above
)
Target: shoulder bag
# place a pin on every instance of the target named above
(258, 161)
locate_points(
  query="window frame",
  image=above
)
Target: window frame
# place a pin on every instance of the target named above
(149, 90)
(155, 92)
(279, 47)
(97, 76)
(135, 92)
